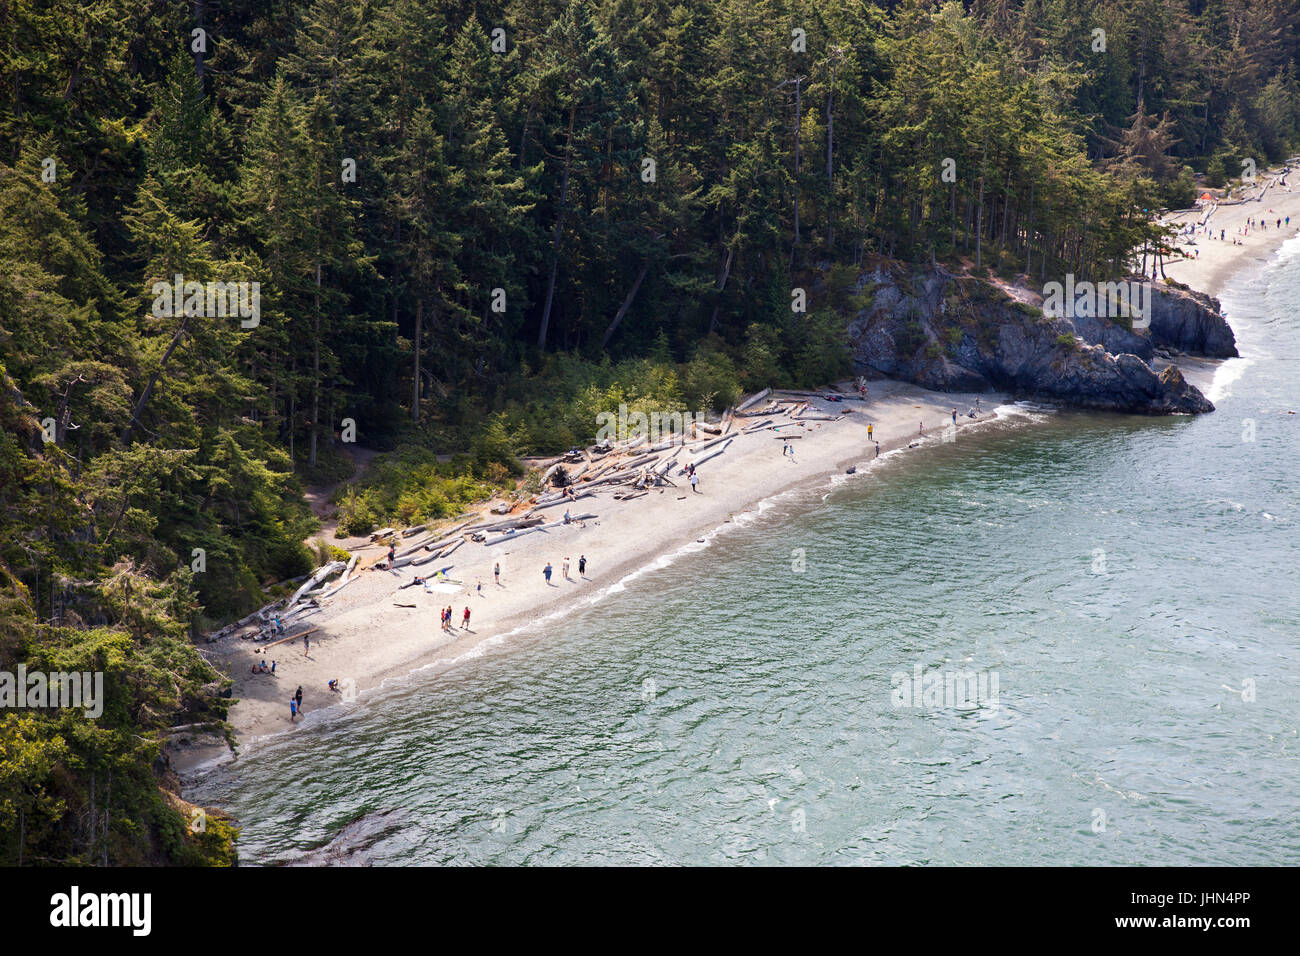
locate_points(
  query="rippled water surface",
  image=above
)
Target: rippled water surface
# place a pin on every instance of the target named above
(1129, 584)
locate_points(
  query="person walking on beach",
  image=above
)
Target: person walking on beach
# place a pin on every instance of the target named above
(496, 572)
(920, 428)
(392, 554)
(293, 709)
(306, 645)
(564, 569)
(877, 449)
(870, 428)
(298, 697)
(695, 482)
(582, 565)
(546, 572)
(954, 414)
(464, 620)
(977, 404)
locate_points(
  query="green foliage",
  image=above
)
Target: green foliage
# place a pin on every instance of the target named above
(498, 274)
(409, 486)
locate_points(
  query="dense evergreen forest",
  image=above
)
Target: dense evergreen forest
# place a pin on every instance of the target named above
(473, 226)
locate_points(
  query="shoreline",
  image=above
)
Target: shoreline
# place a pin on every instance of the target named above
(1220, 260)
(365, 641)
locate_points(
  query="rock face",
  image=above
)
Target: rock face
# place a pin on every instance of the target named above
(1113, 338)
(1190, 322)
(953, 333)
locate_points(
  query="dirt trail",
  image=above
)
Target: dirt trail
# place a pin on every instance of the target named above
(318, 498)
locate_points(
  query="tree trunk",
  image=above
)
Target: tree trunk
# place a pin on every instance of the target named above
(722, 284)
(830, 163)
(798, 123)
(415, 386)
(153, 381)
(559, 227)
(315, 374)
(627, 303)
(979, 215)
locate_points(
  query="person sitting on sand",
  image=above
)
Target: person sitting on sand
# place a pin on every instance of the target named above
(334, 684)
(567, 519)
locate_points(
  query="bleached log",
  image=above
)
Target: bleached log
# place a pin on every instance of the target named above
(705, 446)
(337, 588)
(711, 455)
(320, 575)
(753, 400)
(560, 501)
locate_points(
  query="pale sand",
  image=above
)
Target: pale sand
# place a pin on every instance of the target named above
(364, 639)
(1219, 260)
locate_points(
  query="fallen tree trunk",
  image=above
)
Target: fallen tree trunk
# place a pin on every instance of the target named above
(292, 637)
(337, 588)
(753, 400)
(562, 500)
(708, 457)
(320, 575)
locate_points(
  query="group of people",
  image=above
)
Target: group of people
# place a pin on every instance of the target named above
(447, 616)
(1252, 222)
(693, 477)
(564, 568)
(261, 668)
(295, 704)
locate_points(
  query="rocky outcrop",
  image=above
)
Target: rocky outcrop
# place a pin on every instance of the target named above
(1190, 322)
(953, 333)
(1112, 337)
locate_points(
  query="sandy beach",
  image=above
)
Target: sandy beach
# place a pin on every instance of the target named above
(364, 636)
(1216, 260)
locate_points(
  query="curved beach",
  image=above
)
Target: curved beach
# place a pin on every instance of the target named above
(363, 637)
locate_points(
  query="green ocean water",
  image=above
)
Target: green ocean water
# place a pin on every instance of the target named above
(1125, 588)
